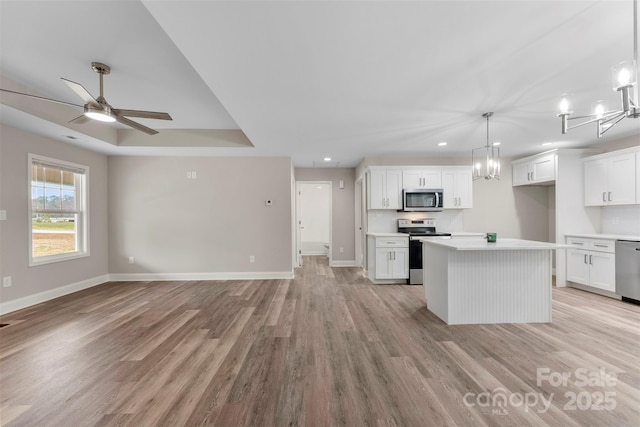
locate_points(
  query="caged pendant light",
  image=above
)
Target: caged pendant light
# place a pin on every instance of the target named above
(486, 160)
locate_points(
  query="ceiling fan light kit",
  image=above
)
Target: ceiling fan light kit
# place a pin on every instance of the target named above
(98, 108)
(625, 81)
(102, 113)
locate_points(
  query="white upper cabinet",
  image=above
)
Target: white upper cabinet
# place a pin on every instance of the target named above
(385, 189)
(638, 177)
(535, 170)
(422, 178)
(457, 184)
(611, 180)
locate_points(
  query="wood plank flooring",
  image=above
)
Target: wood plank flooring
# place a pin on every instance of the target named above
(327, 348)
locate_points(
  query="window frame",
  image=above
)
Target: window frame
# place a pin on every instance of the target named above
(82, 200)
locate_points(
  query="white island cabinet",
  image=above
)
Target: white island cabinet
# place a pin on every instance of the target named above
(471, 281)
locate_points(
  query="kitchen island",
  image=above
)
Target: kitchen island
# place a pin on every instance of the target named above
(471, 281)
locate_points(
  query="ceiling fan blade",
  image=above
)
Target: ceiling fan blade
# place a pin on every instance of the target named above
(143, 114)
(41, 98)
(80, 119)
(81, 92)
(135, 125)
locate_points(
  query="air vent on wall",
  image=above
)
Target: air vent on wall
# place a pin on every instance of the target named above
(326, 164)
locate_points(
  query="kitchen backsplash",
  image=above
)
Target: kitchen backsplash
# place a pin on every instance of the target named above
(381, 221)
(623, 220)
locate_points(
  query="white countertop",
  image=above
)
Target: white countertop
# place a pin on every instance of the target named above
(388, 234)
(467, 234)
(605, 236)
(500, 245)
(453, 234)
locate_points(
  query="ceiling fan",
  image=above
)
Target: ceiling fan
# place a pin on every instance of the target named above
(98, 108)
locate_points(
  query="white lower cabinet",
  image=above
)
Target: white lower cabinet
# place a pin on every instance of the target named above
(388, 258)
(392, 263)
(592, 263)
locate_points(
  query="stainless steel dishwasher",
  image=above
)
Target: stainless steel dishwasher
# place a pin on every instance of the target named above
(628, 270)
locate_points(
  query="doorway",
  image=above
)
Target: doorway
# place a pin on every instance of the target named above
(313, 218)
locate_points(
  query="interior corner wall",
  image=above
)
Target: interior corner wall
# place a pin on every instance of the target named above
(208, 227)
(515, 212)
(38, 283)
(343, 208)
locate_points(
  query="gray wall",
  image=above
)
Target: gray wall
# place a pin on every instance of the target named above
(14, 198)
(211, 224)
(343, 207)
(518, 212)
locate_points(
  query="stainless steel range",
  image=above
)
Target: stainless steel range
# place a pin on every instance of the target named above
(418, 229)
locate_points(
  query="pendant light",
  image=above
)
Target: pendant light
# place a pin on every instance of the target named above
(625, 81)
(486, 160)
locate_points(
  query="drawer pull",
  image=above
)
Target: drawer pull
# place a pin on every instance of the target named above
(577, 243)
(601, 246)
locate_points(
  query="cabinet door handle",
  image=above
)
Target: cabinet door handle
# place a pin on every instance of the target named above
(609, 195)
(604, 196)
(585, 259)
(591, 259)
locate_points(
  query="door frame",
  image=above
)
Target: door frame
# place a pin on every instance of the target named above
(359, 229)
(297, 223)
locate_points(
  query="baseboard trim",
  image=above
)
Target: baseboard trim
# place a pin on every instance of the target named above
(24, 302)
(149, 277)
(347, 263)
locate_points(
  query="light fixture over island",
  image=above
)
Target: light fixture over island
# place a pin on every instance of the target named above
(471, 281)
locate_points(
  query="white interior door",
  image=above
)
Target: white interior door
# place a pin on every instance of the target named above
(314, 217)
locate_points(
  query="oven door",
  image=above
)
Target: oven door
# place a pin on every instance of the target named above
(415, 262)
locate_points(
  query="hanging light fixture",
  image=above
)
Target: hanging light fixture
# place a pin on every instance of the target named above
(625, 81)
(486, 160)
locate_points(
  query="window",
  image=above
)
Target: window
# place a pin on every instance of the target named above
(57, 210)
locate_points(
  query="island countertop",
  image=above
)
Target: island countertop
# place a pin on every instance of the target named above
(501, 245)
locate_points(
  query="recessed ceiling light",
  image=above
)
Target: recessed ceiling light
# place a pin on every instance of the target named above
(546, 143)
(442, 144)
(327, 159)
(495, 144)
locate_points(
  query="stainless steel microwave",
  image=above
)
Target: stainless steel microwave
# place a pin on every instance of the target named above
(422, 200)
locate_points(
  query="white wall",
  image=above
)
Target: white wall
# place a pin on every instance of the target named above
(497, 206)
(39, 283)
(206, 227)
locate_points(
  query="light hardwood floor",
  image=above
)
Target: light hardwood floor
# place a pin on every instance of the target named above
(326, 348)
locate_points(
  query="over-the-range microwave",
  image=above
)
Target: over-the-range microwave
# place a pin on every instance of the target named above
(422, 200)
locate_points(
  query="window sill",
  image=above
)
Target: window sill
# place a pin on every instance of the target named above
(34, 262)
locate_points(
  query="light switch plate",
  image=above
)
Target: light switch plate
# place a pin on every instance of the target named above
(3, 215)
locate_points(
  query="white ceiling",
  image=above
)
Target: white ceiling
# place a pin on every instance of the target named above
(312, 79)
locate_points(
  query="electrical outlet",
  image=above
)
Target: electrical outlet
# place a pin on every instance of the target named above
(6, 281)
(194, 175)
(131, 260)
(341, 250)
(252, 258)
(3, 215)
(189, 175)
